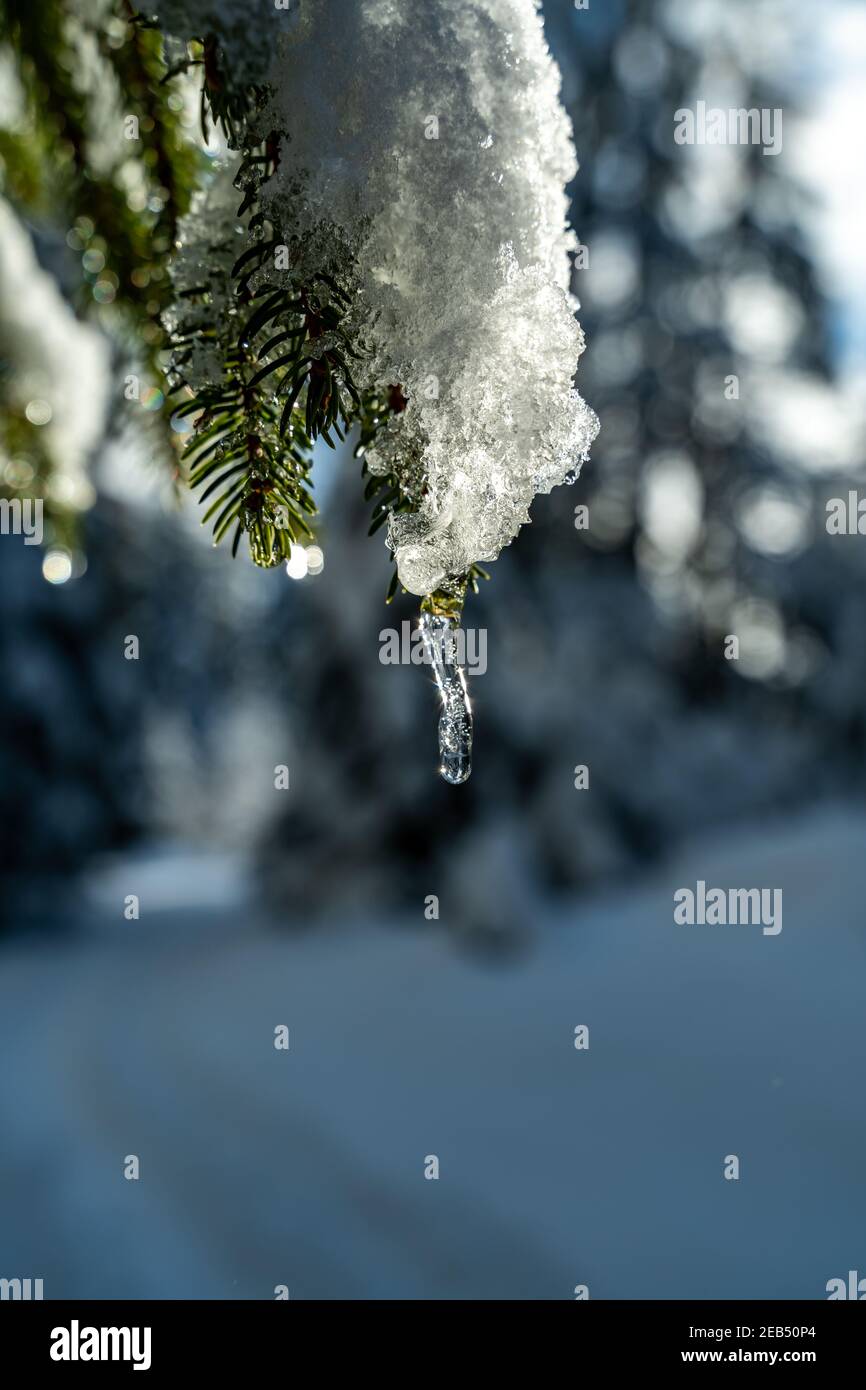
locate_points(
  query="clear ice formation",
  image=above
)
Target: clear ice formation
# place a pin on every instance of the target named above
(455, 721)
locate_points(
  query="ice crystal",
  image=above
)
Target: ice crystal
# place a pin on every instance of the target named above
(455, 722)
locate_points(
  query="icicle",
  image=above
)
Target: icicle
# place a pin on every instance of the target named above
(455, 721)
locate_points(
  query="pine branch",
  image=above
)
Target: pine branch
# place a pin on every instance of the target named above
(287, 381)
(55, 170)
(136, 244)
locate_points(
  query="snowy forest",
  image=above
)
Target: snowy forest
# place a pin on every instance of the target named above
(681, 501)
(606, 644)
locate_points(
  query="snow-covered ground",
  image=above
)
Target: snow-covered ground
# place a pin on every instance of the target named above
(558, 1167)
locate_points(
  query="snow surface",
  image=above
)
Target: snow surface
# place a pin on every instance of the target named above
(558, 1167)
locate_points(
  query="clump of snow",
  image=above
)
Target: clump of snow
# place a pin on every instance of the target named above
(56, 365)
(432, 140)
(424, 163)
(210, 241)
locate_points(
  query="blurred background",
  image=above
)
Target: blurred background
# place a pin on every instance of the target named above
(454, 1035)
